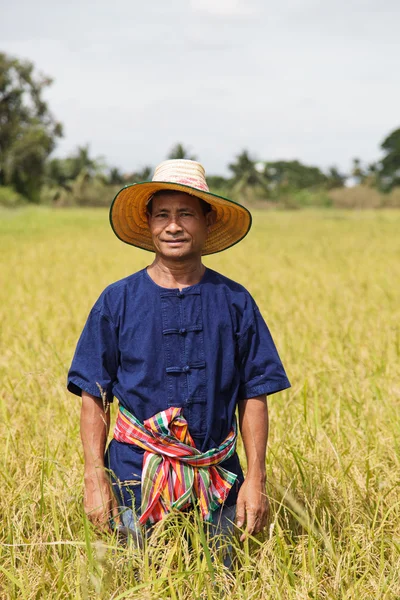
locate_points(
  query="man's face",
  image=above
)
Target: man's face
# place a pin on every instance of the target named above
(178, 226)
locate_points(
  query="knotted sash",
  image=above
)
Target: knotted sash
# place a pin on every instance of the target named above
(174, 471)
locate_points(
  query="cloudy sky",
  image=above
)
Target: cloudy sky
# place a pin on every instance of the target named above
(315, 80)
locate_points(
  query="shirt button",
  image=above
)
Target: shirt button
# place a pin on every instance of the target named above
(186, 369)
(180, 294)
(182, 331)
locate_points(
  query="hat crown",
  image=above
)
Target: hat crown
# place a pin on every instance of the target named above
(183, 171)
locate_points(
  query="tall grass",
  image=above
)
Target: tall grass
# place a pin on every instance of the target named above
(328, 284)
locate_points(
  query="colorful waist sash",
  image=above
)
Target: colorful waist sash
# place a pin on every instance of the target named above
(174, 471)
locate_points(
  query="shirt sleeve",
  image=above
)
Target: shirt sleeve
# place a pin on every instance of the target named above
(95, 363)
(261, 369)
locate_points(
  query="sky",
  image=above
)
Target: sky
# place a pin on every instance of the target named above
(310, 80)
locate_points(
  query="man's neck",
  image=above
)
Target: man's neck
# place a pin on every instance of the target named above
(174, 274)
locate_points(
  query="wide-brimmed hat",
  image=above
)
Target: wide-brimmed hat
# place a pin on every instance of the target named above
(128, 210)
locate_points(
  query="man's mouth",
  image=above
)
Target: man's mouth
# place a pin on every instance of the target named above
(173, 242)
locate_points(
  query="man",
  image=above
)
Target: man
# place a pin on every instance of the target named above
(180, 346)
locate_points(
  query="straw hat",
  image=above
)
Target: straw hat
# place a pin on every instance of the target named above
(128, 210)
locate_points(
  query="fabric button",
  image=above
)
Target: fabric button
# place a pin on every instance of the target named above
(182, 331)
(186, 369)
(180, 295)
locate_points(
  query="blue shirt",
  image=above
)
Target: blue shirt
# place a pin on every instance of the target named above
(202, 348)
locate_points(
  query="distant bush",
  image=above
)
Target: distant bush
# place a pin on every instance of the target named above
(94, 193)
(246, 195)
(81, 192)
(363, 196)
(10, 198)
(391, 200)
(359, 196)
(222, 190)
(305, 199)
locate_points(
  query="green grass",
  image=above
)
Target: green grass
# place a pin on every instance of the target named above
(328, 284)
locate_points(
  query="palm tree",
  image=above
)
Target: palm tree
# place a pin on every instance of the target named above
(245, 173)
(179, 151)
(143, 174)
(83, 162)
(357, 171)
(115, 177)
(372, 175)
(335, 179)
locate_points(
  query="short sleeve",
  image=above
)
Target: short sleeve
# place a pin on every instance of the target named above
(95, 363)
(261, 370)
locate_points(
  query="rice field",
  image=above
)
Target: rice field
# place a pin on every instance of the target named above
(328, 284)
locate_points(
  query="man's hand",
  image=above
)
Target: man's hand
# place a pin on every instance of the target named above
(252, 503)
(99, 502)
(252, 507)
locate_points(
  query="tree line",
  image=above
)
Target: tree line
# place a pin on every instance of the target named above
(28, 173)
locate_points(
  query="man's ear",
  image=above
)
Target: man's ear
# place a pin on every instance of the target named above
(211, 217)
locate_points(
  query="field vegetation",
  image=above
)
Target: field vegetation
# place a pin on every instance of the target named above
(328, 284)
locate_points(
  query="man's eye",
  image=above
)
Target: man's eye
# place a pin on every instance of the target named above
(161, 215)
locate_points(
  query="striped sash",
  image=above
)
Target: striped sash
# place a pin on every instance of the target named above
(174, 472)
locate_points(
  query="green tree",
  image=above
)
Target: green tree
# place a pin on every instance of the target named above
(143, 174)
(357, 171)
(218, 184)
(247, 182)
(372, 175)
(78, 178)
(28, 131)
(116, 177)
(390, 164)
(179, 151)
(245, 172)
(286, 176)
(63, 171)
(335, 179)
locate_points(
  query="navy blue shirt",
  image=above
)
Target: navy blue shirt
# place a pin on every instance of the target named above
(202, 348)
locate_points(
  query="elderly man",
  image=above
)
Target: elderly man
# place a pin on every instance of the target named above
(180, 346)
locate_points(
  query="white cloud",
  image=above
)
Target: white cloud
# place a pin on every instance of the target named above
(224, 8)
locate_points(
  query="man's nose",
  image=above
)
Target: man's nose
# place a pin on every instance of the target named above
(174, 224)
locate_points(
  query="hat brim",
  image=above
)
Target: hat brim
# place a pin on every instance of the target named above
(128, 217)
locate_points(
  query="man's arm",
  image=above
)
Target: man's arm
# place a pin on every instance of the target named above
(252, 503)
(95, 424)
